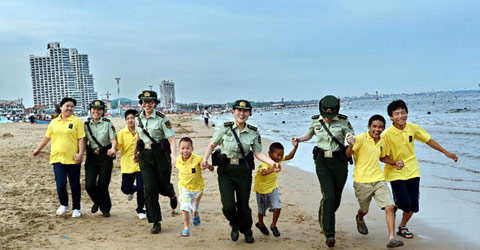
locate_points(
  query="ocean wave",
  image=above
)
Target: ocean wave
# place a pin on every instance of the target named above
(452, 188)
(450, 166)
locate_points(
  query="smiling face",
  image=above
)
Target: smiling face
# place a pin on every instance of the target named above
(130, 120)
(399, 118)
(241, 115)
(96, 113)
(67, 109)
(376, 128)
(185, 148)
(276, 155)
(148, 106)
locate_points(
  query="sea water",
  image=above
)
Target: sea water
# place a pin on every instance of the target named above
(450, 192)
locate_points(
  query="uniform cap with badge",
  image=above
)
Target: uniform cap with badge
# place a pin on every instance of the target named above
(329, 106)
(242, 104)
(97, 104)
(148, 95)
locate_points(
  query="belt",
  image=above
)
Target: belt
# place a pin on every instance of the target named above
(237, 161)
(148, 145)
(330, 154)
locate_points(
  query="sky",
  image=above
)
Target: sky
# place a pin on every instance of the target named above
(220, 51)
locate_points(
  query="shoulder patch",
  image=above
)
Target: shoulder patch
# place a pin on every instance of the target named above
(228, 124)
(106, 119)
(315, 117)
(344, 117)
(160, 114)
(168, 124)
(252, 127)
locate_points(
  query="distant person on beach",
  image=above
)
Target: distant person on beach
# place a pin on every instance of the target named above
(239, 143)
(101, 149)
(330, 160)
(405, 182)
(67, 134)
(206, 116)
(266, 187)
(369, 180)
(156, 156)
(126, 141)
(190, 183)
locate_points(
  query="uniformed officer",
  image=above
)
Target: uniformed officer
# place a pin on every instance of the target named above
(235, 172)
(156, 156)
(330, 160)
(101, 150)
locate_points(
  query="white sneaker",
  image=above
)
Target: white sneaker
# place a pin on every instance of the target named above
(130, 197)
(76, 213)
(142, 216)
(61, 210)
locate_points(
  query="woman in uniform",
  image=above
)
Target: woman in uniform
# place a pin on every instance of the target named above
(156, 156)
(235, 165)
(67, 133)
(330, 159)
(101, 150)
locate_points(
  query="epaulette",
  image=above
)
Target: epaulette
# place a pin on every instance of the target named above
(315, 117)
(106, 119)
(344, 117)
(252, 127)
(228, 124)
(160, 114)
(88, 120)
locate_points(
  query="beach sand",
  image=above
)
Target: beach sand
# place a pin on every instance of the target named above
(28, 202)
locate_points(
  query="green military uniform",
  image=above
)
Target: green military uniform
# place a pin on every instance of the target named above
(331, 165)
(155, 164)
(98, 165)
(235, 179)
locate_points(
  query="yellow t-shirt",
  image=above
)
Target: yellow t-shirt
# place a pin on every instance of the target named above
(190, 173)
(366, 155)
(126, 143)
(265, 184)
(401, 144)
(64, 135)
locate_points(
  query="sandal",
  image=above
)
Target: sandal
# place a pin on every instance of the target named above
(263, 229)
(403, 231)
(394, 243)
(196, 220)
(185, 233)
(361, 226)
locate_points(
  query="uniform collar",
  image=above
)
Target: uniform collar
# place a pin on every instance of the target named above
(100, 121)
(399, 131)
(246, 129)
(153, 115)
(70, 118)
(334, 118)
(370, 138)
(188, 160)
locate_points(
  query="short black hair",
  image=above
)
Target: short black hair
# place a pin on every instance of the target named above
(377, 118)
(130, 112)
(396, 105)
(275, 146)
(68, 99)
(186, 139)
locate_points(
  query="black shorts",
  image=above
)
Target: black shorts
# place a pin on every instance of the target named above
(406, 194)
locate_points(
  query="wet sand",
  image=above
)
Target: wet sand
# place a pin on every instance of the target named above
(28, 202)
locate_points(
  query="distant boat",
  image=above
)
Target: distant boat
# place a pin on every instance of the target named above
(42, 121)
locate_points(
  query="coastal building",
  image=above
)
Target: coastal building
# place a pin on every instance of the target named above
(167, 94)
(12, 107)
(63, 72)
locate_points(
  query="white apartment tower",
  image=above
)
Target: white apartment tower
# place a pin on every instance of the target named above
(167, 94)
(62, 73)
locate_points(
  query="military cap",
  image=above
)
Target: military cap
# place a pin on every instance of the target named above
(97, 104)
(148, 95)
(329, 106)
(242, 104)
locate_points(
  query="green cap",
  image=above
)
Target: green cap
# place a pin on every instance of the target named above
(97, 104)
(329, 106)
(242, 104)
(148, 95)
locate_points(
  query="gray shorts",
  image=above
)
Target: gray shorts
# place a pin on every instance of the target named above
(270, 201)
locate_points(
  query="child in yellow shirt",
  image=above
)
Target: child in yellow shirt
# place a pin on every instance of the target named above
(190, 183)
(266, 187)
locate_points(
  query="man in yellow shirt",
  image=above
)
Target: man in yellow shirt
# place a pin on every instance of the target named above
(405, 181)
(369, 180)
(126, 139)
(190, 183)
(266, 187)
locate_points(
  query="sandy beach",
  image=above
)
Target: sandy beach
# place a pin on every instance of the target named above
(28, 202)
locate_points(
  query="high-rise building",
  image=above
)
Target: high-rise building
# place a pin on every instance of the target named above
(62, 73)
(167, 94)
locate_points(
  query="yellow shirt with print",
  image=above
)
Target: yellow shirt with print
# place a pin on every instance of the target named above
(401, 144)
(366, 154)
(64, 135)
(190, 173)
(126, 143)
(265, 184)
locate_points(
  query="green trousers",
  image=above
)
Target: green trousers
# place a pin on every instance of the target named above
(235, 183)
(332, 175)
(98, 173)
(156, 169)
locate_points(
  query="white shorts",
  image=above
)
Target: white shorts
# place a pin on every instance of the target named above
(188, 200)
(269, 201)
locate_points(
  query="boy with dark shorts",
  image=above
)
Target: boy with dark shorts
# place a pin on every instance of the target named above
(266, 187)
(405, 181)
